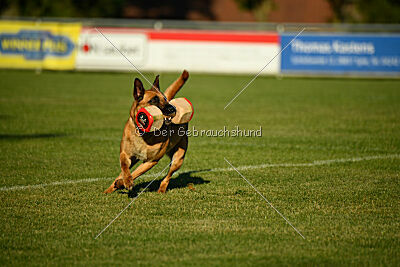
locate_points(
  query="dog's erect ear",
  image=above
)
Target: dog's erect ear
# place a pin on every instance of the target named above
(156, 82)
(138, 90)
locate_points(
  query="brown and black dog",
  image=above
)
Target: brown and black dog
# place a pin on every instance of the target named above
(150, 147)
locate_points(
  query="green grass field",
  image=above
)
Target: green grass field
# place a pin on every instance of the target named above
(66, 127)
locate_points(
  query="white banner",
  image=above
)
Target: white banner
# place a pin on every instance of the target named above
(212, 57)
(196, 51)
(96, 53)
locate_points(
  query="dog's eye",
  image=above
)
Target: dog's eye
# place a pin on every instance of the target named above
(154, 100)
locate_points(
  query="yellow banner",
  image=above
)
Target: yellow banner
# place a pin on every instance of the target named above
(34, 45)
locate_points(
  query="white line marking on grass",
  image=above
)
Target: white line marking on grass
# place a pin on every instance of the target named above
(314, 163)
(241, 168)
(266, 200)
(37, 186)
(255, 77)
(116, 217)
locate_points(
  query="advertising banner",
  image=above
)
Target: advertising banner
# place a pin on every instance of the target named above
(27, 44)
(97, 53)
(175, 50)
(341, 54)
(215, 51)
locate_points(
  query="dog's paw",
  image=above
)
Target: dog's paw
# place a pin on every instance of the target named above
(110, 189)
(128, 183)
(117, 184)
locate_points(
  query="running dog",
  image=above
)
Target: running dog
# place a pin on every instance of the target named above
(150, 147)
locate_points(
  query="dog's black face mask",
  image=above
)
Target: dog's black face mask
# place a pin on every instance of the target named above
(169, 110)
(166, 108)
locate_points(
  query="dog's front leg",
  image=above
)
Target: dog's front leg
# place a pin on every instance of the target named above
(124, 180)
(142, 168)
(125, 162)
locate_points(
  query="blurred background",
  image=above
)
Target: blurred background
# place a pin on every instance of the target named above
(338, 37)
(315, 11)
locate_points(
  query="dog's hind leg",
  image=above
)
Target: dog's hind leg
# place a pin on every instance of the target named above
(177, 157)
(142, 168)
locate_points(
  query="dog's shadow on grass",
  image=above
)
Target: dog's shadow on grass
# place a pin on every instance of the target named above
(182, 181)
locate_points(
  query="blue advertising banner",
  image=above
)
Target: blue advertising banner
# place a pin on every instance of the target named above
(341, 54)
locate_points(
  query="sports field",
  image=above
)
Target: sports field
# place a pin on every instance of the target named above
(328, 160)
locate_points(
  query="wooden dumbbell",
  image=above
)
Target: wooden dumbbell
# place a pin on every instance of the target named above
(184, 110)
(150, 118)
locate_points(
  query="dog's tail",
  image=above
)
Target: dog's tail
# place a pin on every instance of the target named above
(174, 88)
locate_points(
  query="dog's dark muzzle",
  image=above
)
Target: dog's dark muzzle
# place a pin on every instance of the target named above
(169, 110)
